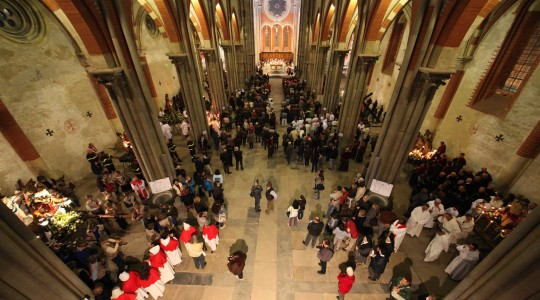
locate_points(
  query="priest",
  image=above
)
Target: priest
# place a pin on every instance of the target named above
(419, 217)
(464, 263)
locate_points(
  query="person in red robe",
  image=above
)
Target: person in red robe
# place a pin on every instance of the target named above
(150, 280)
(131, 285)
(170, 246)
(118, 294)
(158, 259)
(210, 235)
(138, 185)
(187, 233)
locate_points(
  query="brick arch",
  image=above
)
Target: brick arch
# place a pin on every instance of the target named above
(79, 19)
(315, 37)
(376, 18)
(198, 13)
(223, 28)
(327, 22)
(397, 8)
(347, 20)
(235, 26)
(157, 20)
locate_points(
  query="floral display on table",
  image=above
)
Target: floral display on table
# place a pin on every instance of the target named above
(64, 224)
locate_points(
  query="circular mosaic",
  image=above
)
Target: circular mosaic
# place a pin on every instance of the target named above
(151, 26)
(21, 22)
(277, 10)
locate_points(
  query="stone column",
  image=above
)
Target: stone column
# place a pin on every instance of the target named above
(333, 78)
(354, 93)
(510, 271)
(215, 78)
(232, 67)
(241, 70)
(317, 80)
(139, 124)
(525, 155)
(192, 93)
(403, 124)
(30, 269)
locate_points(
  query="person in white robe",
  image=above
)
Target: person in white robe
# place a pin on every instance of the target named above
(419, 217)
(453, 211)
(451, 226)
(170, 245)
(466, 223)
(438, 244)
(399, 229)
(477, 202)
(166, 270)
(468, 257)
(436, 209)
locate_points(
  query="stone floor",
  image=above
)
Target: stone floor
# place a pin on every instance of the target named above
(278, 265)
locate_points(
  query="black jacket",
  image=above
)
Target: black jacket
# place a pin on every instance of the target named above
(315, 229)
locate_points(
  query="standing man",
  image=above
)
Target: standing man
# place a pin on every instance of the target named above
(238, 157)
(335, 197)
(256, 193)
(324, 254)
(345, 282)
(236, 264)
(315, 229)
(224, 157)
(400, 288)
(270, 197)
(419, 217)
(139, 186)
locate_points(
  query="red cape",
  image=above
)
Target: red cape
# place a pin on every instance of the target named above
(211, 231)
(158, 260)
(171, 246)
(154, 276)
(186, 235)
(132, 284)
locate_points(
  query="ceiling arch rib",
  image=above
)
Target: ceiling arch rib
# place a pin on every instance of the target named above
(347, 20)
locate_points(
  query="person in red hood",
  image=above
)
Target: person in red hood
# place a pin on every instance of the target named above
(150, 280)
(187, 233)
(353, 230)
(131, 285)
(345, 282)
(118, 294)
(158, 259)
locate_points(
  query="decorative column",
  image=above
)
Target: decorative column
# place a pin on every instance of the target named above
(30, 269)
(215, 78)
(333, 78)
(403, 125)
(354, 93)
(241, 70)
(139, 124)
(192, 92)
(525, 155)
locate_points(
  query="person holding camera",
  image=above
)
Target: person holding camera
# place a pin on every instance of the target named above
(324, 254)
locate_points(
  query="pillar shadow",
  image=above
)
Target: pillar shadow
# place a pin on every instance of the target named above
(239, 245)
(318, 212)
(403, 268)
(350, 262)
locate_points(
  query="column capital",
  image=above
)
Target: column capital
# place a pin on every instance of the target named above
(463, 61)
(114, 76)
(177, 57)
(368, 59)
(435, 77)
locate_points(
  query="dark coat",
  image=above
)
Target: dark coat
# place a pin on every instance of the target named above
(237, 261)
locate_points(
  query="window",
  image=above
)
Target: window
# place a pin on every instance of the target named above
(518, 57)
(525, 63)
(393, 46)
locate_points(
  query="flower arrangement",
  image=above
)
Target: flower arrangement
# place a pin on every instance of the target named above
(64, 224)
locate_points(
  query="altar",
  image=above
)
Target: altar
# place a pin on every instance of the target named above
(276, 66)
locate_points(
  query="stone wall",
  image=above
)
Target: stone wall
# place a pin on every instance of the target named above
(476, 134)
(382, 85)
(163, 71)
(44, 86)
(12, 168)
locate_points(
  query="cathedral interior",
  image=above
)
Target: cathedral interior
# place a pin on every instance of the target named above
(82, 75)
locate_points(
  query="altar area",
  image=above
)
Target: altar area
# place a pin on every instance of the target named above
(276, 64)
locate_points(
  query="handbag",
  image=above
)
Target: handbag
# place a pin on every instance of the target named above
(288, 214)
(251, 194)
(320, 187)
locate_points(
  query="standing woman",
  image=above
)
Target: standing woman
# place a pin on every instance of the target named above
(363, 249)
(292, 212)
(236, 264)
(319, 184)
(195, 250)
(377, 264)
